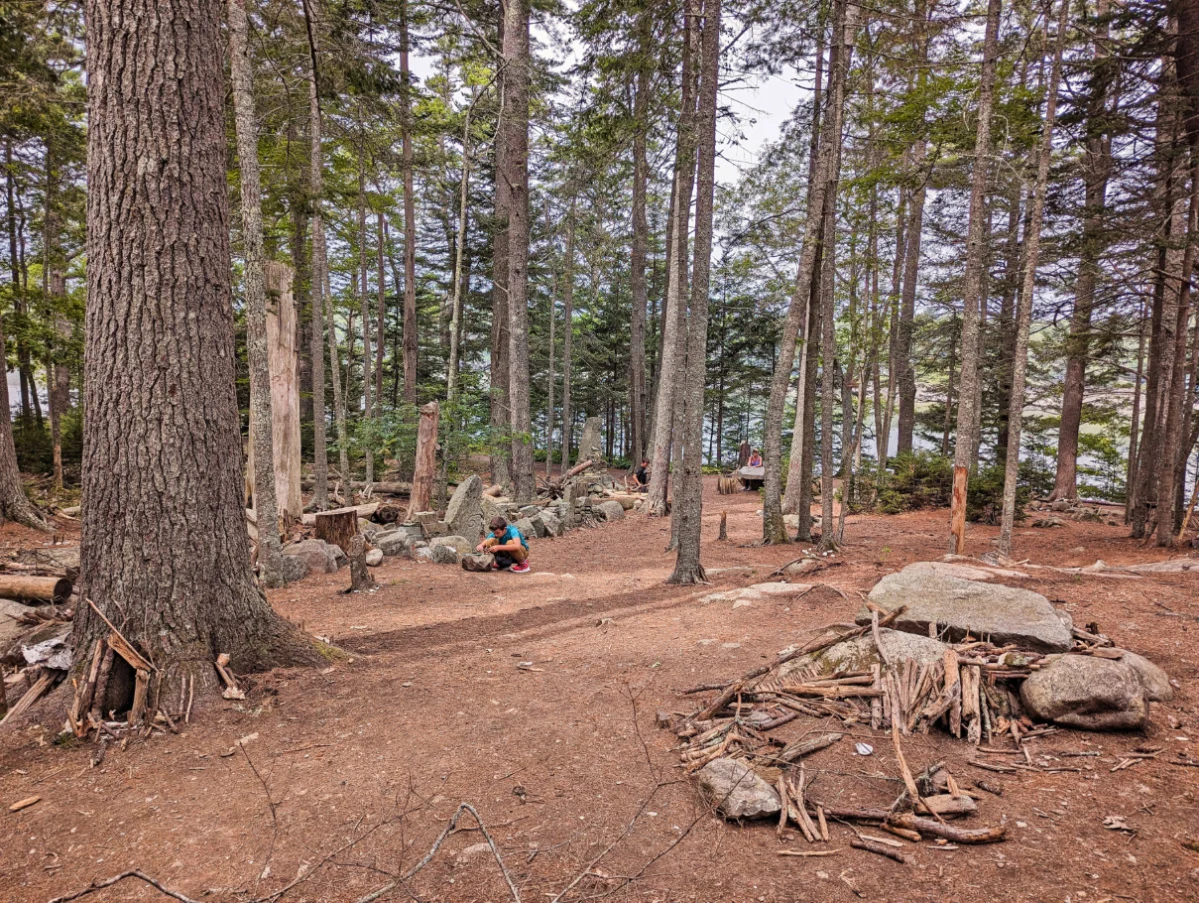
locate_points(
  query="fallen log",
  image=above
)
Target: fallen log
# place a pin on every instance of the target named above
(309, 520)
(919, 825)
(28, 588)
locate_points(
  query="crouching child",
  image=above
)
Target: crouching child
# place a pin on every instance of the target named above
(508, 546)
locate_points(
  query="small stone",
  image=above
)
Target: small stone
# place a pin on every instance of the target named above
(374, 558)
(736, 790)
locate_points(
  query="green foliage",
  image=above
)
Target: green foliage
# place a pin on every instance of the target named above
(925, 480)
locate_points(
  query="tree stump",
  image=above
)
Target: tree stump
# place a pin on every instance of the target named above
(338, 527)
(360, 575)
(425, 471)
(724, 527)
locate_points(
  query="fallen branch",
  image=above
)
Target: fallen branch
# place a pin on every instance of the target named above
(109, 882)
(870, 846)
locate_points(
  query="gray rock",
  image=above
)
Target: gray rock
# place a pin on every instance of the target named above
(322, 558)
(9, 628)
(481, 562)
(437, 554)
(590, 444)
(530, 511)
(394, 542)
(374, 558)
(961, 569)
(1086, 692)
(553, 523)
(611, 510)
(526, 528)
(459, 544)
(464, 513)
(859, 653)
(959, 607)
(736, 790)
(52, 652)
(491, 509)
(539, 525)
(369, 528)
(1154, 681)
(295, 567)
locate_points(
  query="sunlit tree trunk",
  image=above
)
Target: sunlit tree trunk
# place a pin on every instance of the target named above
(406, 157)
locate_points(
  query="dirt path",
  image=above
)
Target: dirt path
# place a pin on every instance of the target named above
(560, 755)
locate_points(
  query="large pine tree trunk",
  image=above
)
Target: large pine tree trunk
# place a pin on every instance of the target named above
(270, 561)
(972, 284)
(501, 420)
(906, 377)
(1024, 310)
(410, 337)
(516, 174)
(673, 339)
(165, 552)
(365, 303)
(459, 250)
(688, 513)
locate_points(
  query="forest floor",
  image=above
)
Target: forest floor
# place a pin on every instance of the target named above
(348, 774)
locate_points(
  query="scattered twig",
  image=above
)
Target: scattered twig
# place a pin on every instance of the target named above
(132, 873)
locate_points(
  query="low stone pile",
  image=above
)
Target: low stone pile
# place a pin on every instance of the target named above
(939, 644)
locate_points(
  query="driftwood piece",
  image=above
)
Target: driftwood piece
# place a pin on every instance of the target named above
(30, 588)
(33, 694)
(920, 825)
(141, 692)
(360, 575)
(338, 527)
(425, 471)
(952, 685)
(232, 690)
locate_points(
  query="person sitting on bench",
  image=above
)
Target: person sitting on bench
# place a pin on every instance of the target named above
(755, 460)
(508, 545)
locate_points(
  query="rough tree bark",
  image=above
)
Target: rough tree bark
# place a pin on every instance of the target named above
(516, 174)
(425, 467)
(463, 212)
(368, 450)
(689, 486)
(270, 556)
(1011, 468)
(501, 445)
(165, 552)
(972, 288)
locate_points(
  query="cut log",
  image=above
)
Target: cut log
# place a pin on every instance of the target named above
(383, 487)
(425, 472)
(309, 520)
(338, 527)
(28, 588)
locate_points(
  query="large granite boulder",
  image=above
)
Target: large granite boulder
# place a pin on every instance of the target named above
(736, 790)
(321, 557)
(553, 524)
(526, 527)
(437, 554)
(464, 513)
(966, 571)
(859, 653)
(959, 607)
(1087, 692)
(590, 443)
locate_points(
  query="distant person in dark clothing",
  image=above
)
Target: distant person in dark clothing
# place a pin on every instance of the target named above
(641, 477)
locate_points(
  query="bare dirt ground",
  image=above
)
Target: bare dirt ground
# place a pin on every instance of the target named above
(348, 774)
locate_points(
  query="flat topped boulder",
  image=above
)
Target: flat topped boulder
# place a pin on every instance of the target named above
(1083, 691)
(959, 607)
(963, 570)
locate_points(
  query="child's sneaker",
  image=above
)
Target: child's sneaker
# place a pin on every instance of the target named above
(522, 568)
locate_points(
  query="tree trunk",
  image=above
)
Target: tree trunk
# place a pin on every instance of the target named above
(456, 304)
(1097, 164)
(568, 298)
(368, 450)
(1011, 470)
(380, 308)
(501, 420)
(844, 30)
(317, 291)
(425, 470)
(165, 552)
(270, 556)
(689, 486)
(410, 337)
(906, 377)
(884, 440)
(637, 256)
(673, 339)
(516, 174)
(973, 280)
(281, 335)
